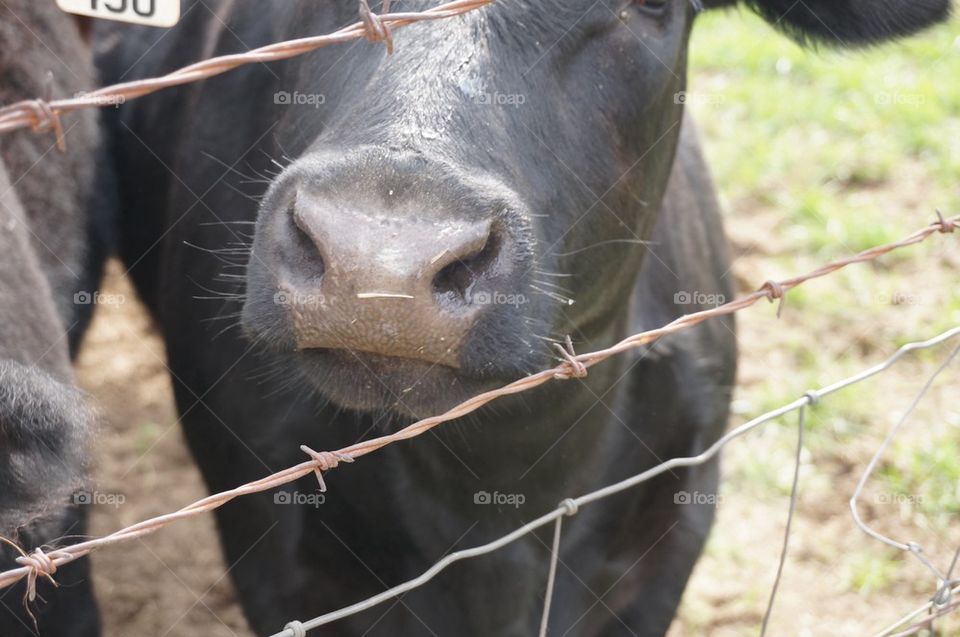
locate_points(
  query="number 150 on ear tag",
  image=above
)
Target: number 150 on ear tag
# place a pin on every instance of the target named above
(155, 13)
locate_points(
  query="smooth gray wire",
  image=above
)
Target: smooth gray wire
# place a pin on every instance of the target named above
(793, 507)
(909, 546)
(551, 577)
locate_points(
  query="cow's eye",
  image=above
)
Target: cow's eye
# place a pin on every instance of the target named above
(653, 7)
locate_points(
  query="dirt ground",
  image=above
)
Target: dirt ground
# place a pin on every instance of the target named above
(173, 583)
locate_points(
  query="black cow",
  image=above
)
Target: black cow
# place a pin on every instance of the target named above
(53, 235)
(436, 218)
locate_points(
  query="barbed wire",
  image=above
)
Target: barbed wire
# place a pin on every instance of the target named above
(41, 563)
(44, 116)
(571, 506)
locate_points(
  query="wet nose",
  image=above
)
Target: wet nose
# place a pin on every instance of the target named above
(403, 285)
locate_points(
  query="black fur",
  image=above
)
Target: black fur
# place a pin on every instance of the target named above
(54, 230)
(847, 22)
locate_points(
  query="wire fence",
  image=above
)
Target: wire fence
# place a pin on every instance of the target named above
(571, 506)
(41, 563)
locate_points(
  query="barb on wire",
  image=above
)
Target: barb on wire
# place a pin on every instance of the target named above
(74, 551)
(574, 504)
(946, 225)
(324, 461)
(573, 367)
(377, 30)
(41, 565)
(775, 292)
(43, 115)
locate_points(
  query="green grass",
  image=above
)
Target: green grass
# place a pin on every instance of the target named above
(797, 129)
(146, 436)
(925, 473)
(873, 571)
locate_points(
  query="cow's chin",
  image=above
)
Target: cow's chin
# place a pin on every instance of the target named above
(366, 382)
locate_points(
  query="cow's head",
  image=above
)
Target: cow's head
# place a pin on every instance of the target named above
(449, 209)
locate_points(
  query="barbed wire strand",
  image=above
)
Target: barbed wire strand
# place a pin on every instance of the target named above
(801, 425)
(574, 504)
(44, 115)
(573, 366)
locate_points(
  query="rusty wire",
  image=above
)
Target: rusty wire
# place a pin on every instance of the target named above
(43, 116)
(33, 566)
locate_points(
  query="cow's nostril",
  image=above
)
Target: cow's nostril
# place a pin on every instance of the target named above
(456, 279)
(313, 263)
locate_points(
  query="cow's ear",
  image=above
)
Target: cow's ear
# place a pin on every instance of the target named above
(850, 22)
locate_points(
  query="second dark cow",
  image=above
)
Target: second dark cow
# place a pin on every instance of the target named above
(55, 217)
(338, 244)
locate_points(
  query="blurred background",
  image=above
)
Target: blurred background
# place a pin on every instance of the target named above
(817, 155)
